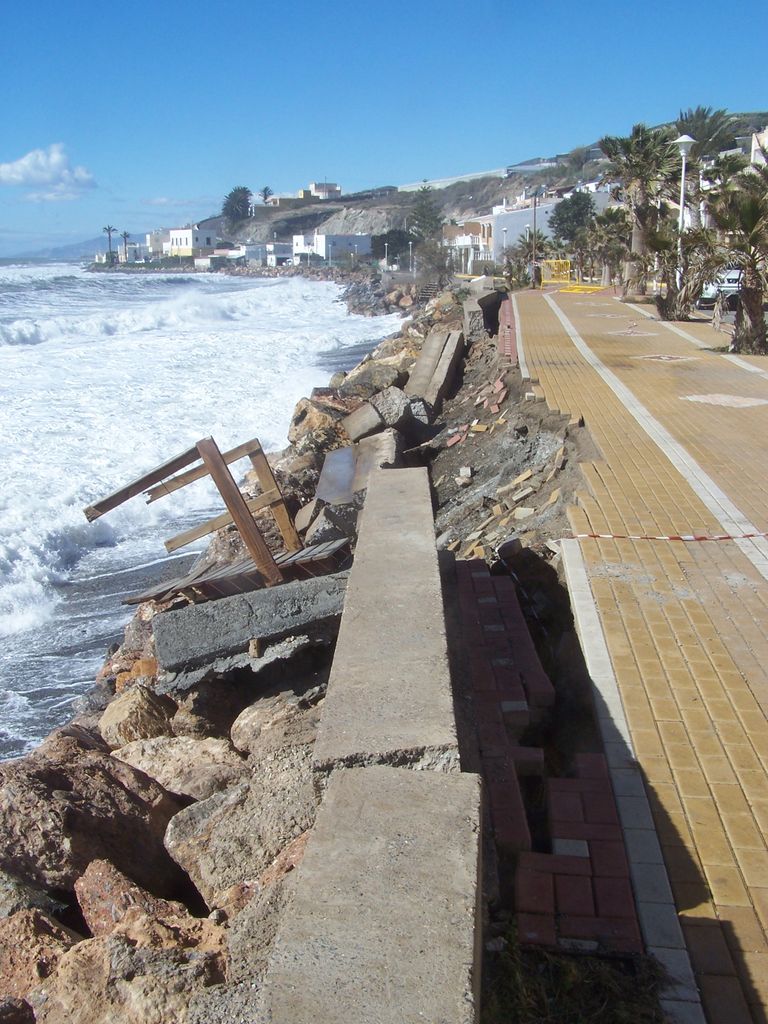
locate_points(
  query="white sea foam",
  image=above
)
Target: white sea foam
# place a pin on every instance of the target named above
(102, 377)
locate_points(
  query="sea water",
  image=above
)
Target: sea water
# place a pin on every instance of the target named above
(104, 376)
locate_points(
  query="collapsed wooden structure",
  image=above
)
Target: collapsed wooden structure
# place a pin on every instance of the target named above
(261, 567)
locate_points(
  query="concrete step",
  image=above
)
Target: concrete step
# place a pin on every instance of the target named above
(383, 928)
(389, 695)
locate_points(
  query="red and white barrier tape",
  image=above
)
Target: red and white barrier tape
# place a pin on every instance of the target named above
(683, 536)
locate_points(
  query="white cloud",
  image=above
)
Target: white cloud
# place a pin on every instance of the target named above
(167, 201)
(51, 169)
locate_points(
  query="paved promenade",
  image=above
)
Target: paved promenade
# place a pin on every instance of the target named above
(669, 543)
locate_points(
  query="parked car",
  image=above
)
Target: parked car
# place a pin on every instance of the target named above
(726, 284)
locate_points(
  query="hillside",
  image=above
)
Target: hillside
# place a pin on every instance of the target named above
(374, 214)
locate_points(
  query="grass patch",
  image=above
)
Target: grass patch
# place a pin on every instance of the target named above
(524, 985)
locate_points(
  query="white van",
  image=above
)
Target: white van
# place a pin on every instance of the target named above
(727, 284)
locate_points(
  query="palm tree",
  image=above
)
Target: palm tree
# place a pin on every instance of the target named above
(642, 169)
(533, 244)
(265, 193)
(236, 206)
(712, 131)
(609, 240)
(109, 231)
(125, 235)
(739, 209)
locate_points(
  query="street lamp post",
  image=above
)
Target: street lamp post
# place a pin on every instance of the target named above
(684, 144)
(410, 257)
(330, 252)
(386, 255)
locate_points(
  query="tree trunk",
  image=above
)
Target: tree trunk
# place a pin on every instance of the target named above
(749, 334)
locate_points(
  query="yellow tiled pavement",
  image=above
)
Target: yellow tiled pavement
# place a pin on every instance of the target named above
(684, 622)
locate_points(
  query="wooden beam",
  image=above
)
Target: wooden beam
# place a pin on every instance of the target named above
(283, 519)
(235, 502)
(218, 523)
(200, 471)
(137, 486)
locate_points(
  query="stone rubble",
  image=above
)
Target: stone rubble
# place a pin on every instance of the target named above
(185, 786)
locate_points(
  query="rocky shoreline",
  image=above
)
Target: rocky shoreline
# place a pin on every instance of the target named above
(147, 847)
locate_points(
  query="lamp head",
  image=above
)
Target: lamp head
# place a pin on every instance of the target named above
(684, 144)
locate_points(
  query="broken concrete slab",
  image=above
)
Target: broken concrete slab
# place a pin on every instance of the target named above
(306, 514)
(435, 368)
(384, 925)
(363, 421)
(323, 528)
(426, 364)
(481, 310)
(442, 378)
(202, 633)
(335, 483)
(379, 451)
(177, 683)
(389, 694)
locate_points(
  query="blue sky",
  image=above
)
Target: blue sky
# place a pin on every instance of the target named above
(145, 114)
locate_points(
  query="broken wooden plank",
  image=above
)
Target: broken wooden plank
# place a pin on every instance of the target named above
(169, 486)
(218, 522)
(235, 502)
(280, 513)
(137, 486)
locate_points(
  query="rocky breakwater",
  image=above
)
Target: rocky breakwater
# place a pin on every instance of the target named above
(147, 848)
(365, 291)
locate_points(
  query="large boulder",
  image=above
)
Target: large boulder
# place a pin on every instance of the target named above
(137, 714)
(282, 720)
(105, 895)
(315, 427)
(234, 835)
(193, 767)
(61, 810)
(31, 944)
(145, 972)
(369, 377)
(208, 707)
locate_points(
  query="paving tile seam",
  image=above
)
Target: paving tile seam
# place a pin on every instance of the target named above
(739, 479)
(689, 775)
(602, 434)
(717, 502)
(655, 902)
(736, 360)
(521, 359)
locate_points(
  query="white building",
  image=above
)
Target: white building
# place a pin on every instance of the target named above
(759, 148)
(324, 189)
(132, 252)
(155, 241)
(189, 241)
(331, 247)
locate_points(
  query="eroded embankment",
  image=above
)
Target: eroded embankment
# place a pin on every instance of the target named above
(174, 809)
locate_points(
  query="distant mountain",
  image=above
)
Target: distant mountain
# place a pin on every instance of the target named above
(81, 250)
